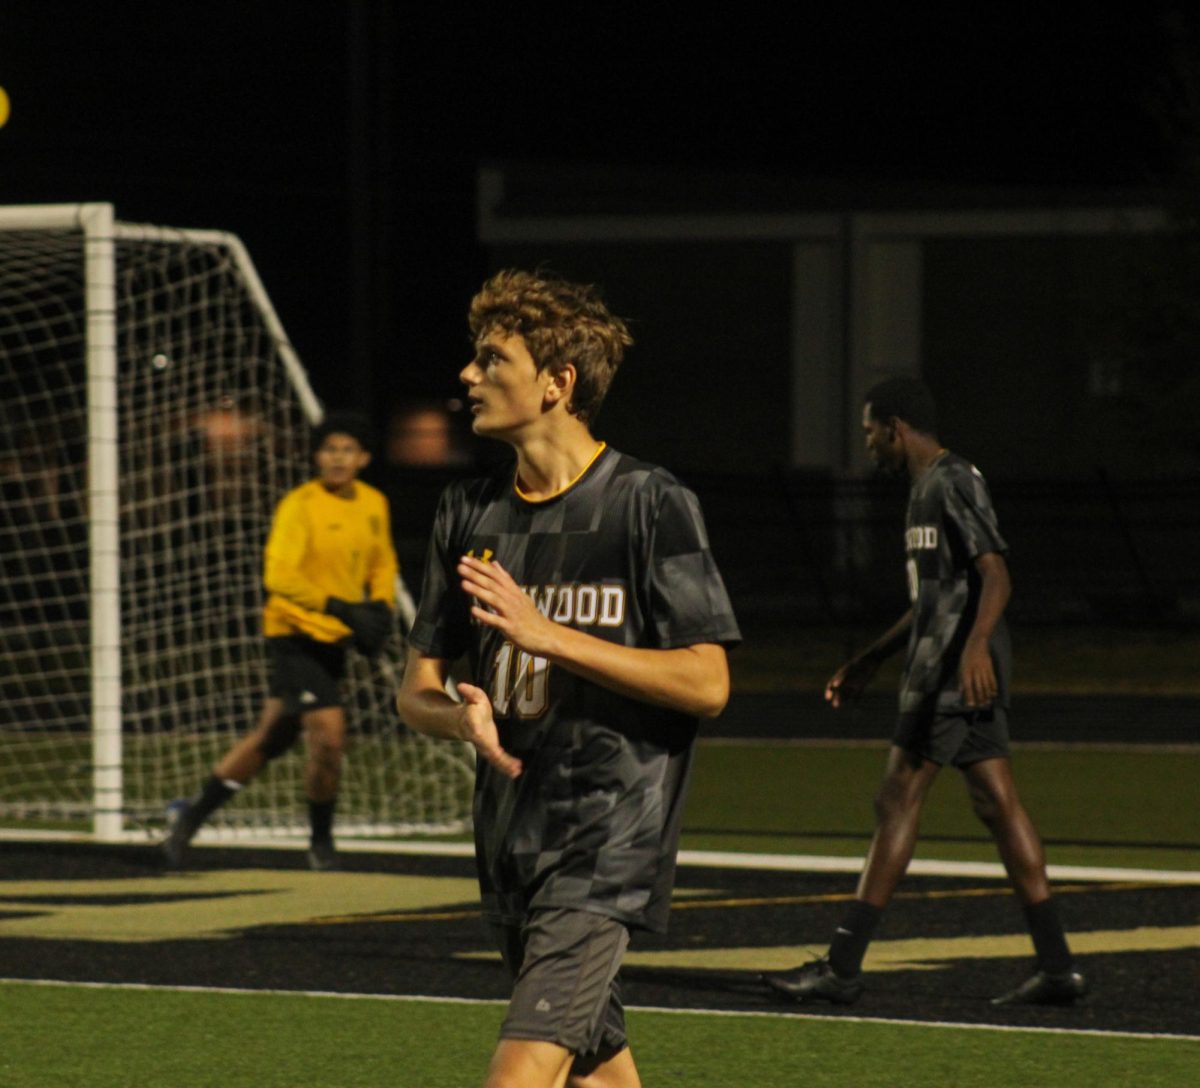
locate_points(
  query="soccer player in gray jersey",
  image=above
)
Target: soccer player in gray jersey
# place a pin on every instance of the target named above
(953, 703)
(580, 587)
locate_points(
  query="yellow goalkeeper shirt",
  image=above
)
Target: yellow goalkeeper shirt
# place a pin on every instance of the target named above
(322, 546)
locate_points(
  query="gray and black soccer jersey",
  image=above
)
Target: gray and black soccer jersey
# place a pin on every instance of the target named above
(593, 821)
(950, 523)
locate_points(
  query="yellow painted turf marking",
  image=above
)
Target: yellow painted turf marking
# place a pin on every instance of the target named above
(211, 904)
(685, 900)
(933, 893)
(214, 904)
(916, 954)
(924, 953)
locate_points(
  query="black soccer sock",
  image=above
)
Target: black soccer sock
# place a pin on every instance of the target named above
(213, 794)
(320, 819)
(852, 937)
(1049, 940)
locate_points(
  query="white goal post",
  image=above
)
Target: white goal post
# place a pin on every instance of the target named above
(152, 413)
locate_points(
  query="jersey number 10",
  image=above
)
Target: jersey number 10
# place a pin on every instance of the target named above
(519, 681)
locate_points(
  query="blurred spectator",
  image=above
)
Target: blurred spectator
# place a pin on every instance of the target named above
(230, 438)
(423, 434)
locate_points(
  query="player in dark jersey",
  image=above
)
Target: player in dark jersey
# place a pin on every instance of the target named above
(330, 546)
(953, 702)
(581, 589)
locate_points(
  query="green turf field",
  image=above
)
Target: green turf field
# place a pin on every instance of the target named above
(1116, 807)
(1095, 806)
(116, 1038)
(1064, 660)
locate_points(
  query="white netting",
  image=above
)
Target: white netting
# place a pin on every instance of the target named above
(212, 431)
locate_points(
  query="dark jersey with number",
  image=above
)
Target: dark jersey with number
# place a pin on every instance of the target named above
(593, 821)
(950, 524)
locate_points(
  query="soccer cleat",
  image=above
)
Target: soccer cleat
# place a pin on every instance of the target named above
(1046, 989)
(815, 981)
(322, 857)
(174, 846)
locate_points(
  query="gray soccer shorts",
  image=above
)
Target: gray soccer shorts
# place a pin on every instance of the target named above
(957, 740)
(566, 991)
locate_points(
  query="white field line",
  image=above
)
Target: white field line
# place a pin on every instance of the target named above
(714, 859)
(809, 863)
(724, 1013)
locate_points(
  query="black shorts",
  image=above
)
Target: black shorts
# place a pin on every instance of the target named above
(956, 739)
(304, 673)
(566, 991)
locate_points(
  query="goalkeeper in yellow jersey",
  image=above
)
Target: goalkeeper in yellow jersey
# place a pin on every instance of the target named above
(330, 572)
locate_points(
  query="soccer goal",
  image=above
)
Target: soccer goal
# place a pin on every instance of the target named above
(152, 413)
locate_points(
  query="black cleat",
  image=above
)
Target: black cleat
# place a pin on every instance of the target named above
(322, 857)
(1046, 989)
(815, 981)
(174, 846)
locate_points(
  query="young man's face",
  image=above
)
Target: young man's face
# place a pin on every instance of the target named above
(506, 392)
(340, 459)
(883, 444)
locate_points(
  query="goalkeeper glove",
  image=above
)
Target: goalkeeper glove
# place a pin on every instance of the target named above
(370, 623)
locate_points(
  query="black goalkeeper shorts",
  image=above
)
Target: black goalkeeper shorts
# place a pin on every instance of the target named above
(304, 673)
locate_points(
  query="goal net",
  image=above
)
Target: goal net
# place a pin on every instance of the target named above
(152, 413)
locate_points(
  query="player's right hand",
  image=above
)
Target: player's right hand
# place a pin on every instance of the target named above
(500, 603)
(479, 729)
(977, 674)
(849, 681)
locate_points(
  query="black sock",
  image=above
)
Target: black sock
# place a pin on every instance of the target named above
(1049, 940)
(213, 794)
(320, 819)
(852, 937)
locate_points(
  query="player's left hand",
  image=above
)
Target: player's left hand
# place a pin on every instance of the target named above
(479, 729)
(501, 603)
(977, 675)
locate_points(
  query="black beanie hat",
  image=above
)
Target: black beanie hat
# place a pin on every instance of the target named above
(352, 423)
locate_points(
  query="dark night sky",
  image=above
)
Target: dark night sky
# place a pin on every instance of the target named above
(239, 116)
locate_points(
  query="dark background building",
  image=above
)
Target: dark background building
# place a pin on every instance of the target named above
(342, 140)
(859, 181)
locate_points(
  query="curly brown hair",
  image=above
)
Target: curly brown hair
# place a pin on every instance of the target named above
(561, 322)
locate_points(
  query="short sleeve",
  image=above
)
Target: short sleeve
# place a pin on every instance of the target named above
(970, 512)
(442, 626)
(688, 602)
